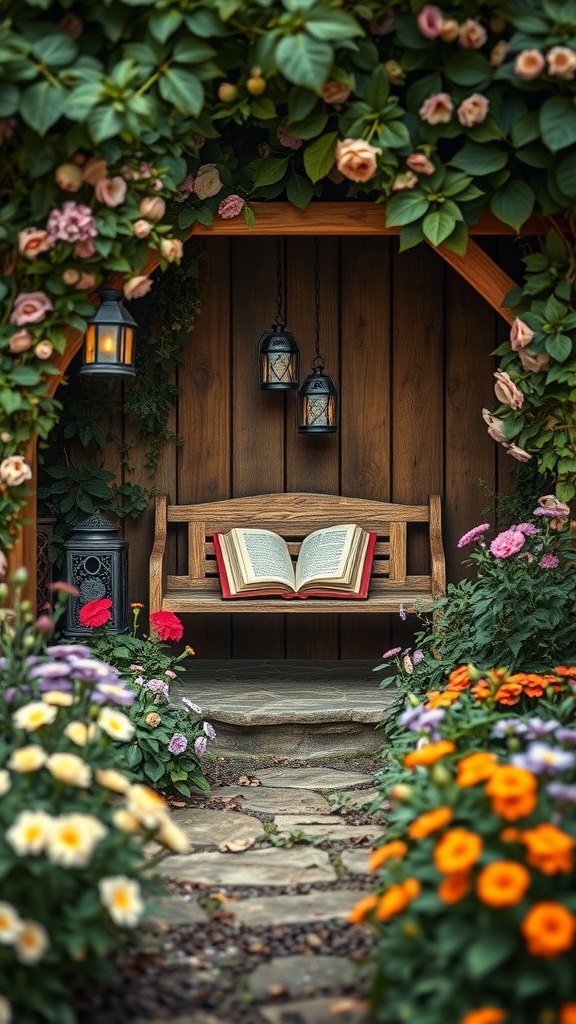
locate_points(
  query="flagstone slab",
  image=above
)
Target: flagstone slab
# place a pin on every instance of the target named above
(272, 801)
(204, 827)
(315, 1011)
(301, 975)
(355, 861)
(177, 910)
(337, 830)
(252, 867)
(325, 779)
(358, 797)
(318, 906)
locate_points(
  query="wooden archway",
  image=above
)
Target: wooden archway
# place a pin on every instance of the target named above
(344, 218)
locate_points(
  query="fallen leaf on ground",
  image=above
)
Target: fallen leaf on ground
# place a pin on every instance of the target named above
(236, 845)
(246, 780)
(176, 803)
(347, 1005)
(274, 991)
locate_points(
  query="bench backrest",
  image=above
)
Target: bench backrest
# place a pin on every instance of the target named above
(294, 516)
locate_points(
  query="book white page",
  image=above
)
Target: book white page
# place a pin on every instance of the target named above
(265, 556)
(323, 554)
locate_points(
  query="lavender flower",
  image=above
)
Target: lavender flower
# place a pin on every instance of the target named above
(158, 686)
(541, 759)
(564, 735)
(562, 791)
(170, 674)
(177, 744)
(116, 693)
(66, 650)
(200, 744)
(138, 680)
(392, 652)
(191, 705)
(209, 731)
(552, 513)
(410, 718)
(50, 670)
(418, 656)
(477, 533)
(402, 613)
(508, 727)
(537, 728)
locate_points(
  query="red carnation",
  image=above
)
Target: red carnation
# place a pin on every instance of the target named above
(96, 613)
(166, 625)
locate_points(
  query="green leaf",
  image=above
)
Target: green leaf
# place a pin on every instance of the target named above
(304, 60)
(488, 952)
(437, 226)
(263, 107)
(9, 96)
(468, 69)
(405, 208)
(378, 89)
(301, 102)
(186, 217)
(26, 376)
(559, 346)
(526, 129)
(299, 191)
(163, 23)
(565, 174)
(513, 203)
(269, 171)
(41, 105)
(319, 156)
(189, 50)
(331, 24)
(55, 49)
(394, 135)
(476, 159)
(310, 127)
(558, 122)
(458, 241)
(104, 123)
(183, 89)
(204, 216)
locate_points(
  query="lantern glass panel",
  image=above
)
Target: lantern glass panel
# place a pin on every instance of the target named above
(318, 411)
(279, 368)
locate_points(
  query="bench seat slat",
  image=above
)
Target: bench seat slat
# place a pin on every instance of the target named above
(378, 603)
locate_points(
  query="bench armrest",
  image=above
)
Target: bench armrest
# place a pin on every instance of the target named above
(158, 557)
(437, 561)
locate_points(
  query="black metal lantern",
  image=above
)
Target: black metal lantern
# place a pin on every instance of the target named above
(109, 342)
(317, 405)
(278, 350)
(97, 565)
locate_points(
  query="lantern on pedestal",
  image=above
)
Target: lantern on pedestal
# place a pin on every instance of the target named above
(97, 565)
(109, 341)
(278, 351)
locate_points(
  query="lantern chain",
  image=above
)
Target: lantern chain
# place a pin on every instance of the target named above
(318, 361)
(280, 320)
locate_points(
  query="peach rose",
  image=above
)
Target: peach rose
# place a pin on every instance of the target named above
(404, 181)
(499, 53)
(449, 30)
(111, 191)
(68, 177)
(14, 471)
(437, 109)
(473, 110)
(152, 207)
(496, 428)
(395, 73)
(94, 170)
(529, 64)
(534, 364)
(142, 228)
(507, 392)
(517, 453)
(20, 341)
(171, 249)
(561, 62)
(472, 34)
(84, 250)
(420, 164)
(33, 241)
(71, 276)
(30, 308)
(335, 92)
(207, 181)
(137, 286)
(85, 282)
(356, 159)
(520, 335)
(430, 21)
(43, 350)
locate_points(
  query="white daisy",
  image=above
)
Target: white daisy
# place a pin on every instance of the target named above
(10, 924)
(31, 716)
(29, 833)
(115, 724)
(122, 898)
(73, 838)
(31, 943)
(69, 768)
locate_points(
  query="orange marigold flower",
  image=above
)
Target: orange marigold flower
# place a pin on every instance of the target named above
(397, 848)
(567, 1014)
(511, 835)
(481, 690)
(454, 887)
(412, 888)
(503, 884)
(457, 851)
(484, 1015)
(549, 849)
(136, 604)
(476, 768)
(430, 822)
(441, 699)
(429, 754)
(533, 684)
(459, 679)
(513, 792)
(509, 693)
(361, 910)
(549, 929)
(392, 902)
(563, 670)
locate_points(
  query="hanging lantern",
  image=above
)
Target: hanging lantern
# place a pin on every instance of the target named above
(278, 351)
(109, 342)
(317, 405)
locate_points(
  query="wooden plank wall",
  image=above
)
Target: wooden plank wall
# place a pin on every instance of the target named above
(409, 344)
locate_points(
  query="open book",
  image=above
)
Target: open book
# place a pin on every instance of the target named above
(335, 562)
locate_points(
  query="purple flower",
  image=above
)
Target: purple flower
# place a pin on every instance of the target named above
(177, 744)
(417, 657)
(537, 728)
(552, 513)
(59, 683)
(392, 652)
(116, 693)
(549, 562)
(65, 650)
(410, 718)
(191, 705)
(562, 791)
(508, 727)
(138, 680)
(476, 534)
(209, 731)
(402, 613)
(541, 759)
(158, 686)
(430, 718)
(50, 670)
(200, 744)
(527, 529)
(170, 674)
(564, 735)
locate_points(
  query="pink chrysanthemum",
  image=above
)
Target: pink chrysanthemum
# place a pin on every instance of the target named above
(476, 534)
(549, 562)
(507, 543)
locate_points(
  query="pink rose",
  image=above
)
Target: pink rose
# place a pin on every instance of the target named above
(430, 21)
(30, 308)
(507, 543)
(157, 184)
(111, 191)
(437, 109)
(420, 164)
(72, 25)
(137, 286)
(520, 334)
(185, 189)
(43, 350)
(473, 110)
(335, 92)
(152, 207)
(131, 174)
(7, 126)
(561, 62)
(3, 565)
(32, 241)
(499, 53)
(534, 364)
(94, 170)
(142, 228)
(507, 392)
(263, 150)
(231, 207)
(14, 471)
(472, 34)
(404, 181)
(171, 249)
(207, 182)
(68, 177)
(287, 140)
(73, 223)
(517, 453)
(449, 30)
(20, 341)
(529, 64)
(85, 282)
(84, 250)
(496, 428)
(357, 159)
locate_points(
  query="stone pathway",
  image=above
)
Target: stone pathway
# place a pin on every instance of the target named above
(278, 832)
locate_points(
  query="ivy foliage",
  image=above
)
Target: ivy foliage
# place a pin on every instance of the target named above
(124, 124)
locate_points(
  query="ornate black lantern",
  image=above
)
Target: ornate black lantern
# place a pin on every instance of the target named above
(317, 405)
(97, 564)
(109, 342)
(278, 351)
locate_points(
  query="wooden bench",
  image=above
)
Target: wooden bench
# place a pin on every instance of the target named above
(294, 516)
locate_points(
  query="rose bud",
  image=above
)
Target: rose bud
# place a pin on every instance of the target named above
(68, 177)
